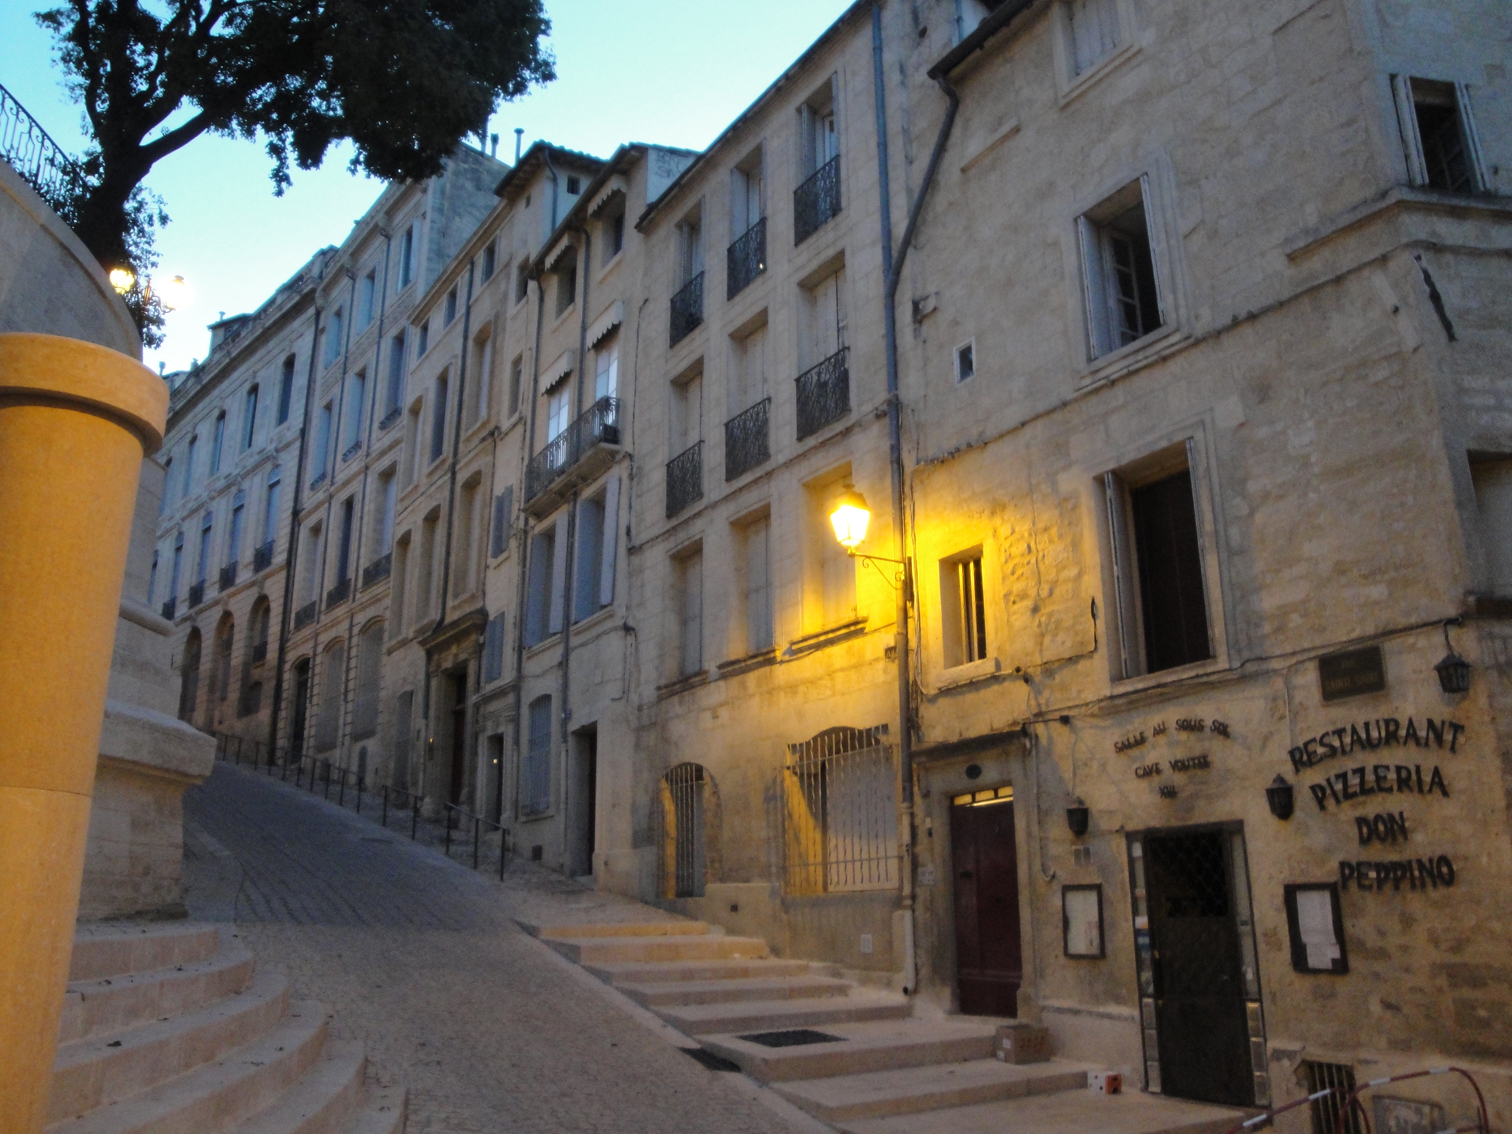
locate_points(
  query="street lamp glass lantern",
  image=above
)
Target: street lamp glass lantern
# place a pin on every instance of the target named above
(849, 518)
(121, 279)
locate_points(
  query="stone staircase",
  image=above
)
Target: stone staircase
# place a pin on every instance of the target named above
(853, 1057)
(169, 1029)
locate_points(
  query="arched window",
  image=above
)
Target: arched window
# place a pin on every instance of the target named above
(225, 636)
(249, 414)
(369, 678)
(299, 705)
(332, 683)
(286, 390)
(217, 442)
(189, 676)
(689, 831)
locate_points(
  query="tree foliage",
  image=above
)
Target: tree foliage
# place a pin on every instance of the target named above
(404, 80)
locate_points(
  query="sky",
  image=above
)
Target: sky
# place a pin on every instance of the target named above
(669, 71)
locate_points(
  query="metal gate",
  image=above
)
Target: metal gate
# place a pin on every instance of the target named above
(840, 813)
(684, 830)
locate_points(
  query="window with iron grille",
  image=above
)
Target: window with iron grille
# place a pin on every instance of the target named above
(535, 775)
(840, 820)
(684, 479)
(1339, 1077)
(963, 609)
(687, 806)
(816, 201)
(1438, 135)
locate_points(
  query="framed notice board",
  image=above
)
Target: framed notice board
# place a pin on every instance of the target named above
(1316, 925)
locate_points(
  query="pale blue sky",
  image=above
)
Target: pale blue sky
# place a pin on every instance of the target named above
(670, 71)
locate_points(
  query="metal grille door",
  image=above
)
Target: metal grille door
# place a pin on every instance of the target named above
(840, 813)
(684, 830)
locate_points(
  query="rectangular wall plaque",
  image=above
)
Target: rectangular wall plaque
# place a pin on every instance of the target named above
(1081, 920)
(1352, 673)
(1316, 925)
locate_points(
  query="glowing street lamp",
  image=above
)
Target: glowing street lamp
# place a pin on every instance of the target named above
(121, 279)
(174, 293)
(849, 518)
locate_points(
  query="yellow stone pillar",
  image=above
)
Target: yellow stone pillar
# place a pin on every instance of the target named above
(75, 421)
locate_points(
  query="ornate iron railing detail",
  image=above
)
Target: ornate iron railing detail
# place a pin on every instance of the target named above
(170, 608)
(817, 201)
(33, 154)
(824, 393)
(687, 308)
(598, 426)
(747, 439)
(746, 259)
(259, 653)
(262, 558)
(389, 418)
(339, 593)
(228, 576)
(684, 479)
(377, 569)
(305, 614)
(318, 481)
(351, 451)
(196, 593)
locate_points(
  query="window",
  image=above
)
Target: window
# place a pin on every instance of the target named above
(438, 417)
(189, 669)
(690, 251)
(387, 495)
(217, 442)
(369, 682)
(344, 547)
(406, 258)
(286, 390)
(488, 262)
(225, 635)
(167, 486)
(1492, 478)
(152, 579)
(1092, 33)
(840, 828)
(332, 678)
(823, 320)
(333, 338)
(747, 194)
(566, 283)
(425, 580)
(351, 439)
(270, 509)
(189, 466)
(422, 339)
(755, 581)
(829, 574)
(963, 609)
(1118, 271)
(493, 649)
(202, 566)
(558, 409)
(546, 579)
(965, 361)
(320, 456)
(400, 577)
(748, 371)
(468, 503)
(535, 776)
(574, 185)
(366, 291)
(522, 282)
(178, 566)
(1159, 584)
(606, 370)
(516, 379)
(483, 365)
(393, 396)
(612, 228)
(249, 417)
(503, 517)
(816, 123)
(1439, 136)
(687, 414)
(234, 538)
(414, 444)
(450, 308)
(688, 572)
(593, 585)
(310, 588)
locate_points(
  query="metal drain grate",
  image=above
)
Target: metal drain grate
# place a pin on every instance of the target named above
(709, 1059)
(797, 1037)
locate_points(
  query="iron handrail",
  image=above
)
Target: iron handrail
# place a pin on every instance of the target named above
(478, 822)
(31, 152)
(1351, 1103)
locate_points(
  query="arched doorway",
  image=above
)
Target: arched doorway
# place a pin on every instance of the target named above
(189, 669)
(299, 703)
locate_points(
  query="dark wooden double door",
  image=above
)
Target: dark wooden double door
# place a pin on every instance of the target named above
(989, 953)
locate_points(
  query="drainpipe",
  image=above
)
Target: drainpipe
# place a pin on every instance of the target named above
(893, 271)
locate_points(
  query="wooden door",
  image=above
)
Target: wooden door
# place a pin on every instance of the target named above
(989, 953)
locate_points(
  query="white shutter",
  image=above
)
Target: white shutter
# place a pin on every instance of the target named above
(1114, 499)
(1092, 291)
(1472, 136)
(611, 541)
(1157, 247)
(1412, 145)
(1207, 599)
(558, 592)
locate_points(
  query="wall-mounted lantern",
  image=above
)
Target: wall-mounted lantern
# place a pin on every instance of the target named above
(1281, 798)
(1454, 671)
(1076, 818)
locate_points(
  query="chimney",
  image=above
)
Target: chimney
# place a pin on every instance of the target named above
(493, 145)
(519, 137)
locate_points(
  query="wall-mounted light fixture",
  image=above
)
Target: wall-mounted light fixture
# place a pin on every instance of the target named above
(1076, 818)
(1281, 798)
(1454, 671)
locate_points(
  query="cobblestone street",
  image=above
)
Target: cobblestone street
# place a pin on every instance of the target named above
(421, 959)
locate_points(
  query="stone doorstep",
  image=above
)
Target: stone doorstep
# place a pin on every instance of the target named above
(586, 950)
(666, 993)
(621, 973)
(628, 929)
(909, 1090)
(322, 1101)
(1064, 1112)
(110, 949)
(214, 1096)
(92, 1072)
(865, 1047)
(778, 1015)
(113, 1003)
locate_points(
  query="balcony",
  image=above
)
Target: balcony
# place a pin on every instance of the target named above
(339, 593)
(575, 456)
(228, 576)
(389, 418)
(262, 558)
(376, 570)
(170, 608)
(746, 259)
(318, 481)
(196, 594)
(684, 479)
(823, 393)
(687, 309)
(351, 451)
(305, 614)
(817, 201)
(747, 439)
(259, 653)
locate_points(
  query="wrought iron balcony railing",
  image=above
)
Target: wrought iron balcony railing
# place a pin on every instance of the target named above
(684, 479)
(823, 393)
(339, 593)
(305, 614)
(39, 160)
(389, 418)
(262, 558)
(817, 201)
(747, 442)
(377, 569)
(746, 259)
(259, 653)
(318, 481)
(228, 576)
(170, 608)
(196, 593)
(598, 426)
(687, 308)
(352, 450)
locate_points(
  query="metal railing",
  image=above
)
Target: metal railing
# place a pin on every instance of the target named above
(262, 558)
(377, 569)
(196, 593)
(351, 450)
(747, 439)
(228, 576)
(170, 608)
(389, 418)
(817, 201)
(344, 787)
(684, 479)
(1339, 1108)
(687, 308)
(840, 819)
(339, 593)
(824, 393)
(599, 425)
(305, 614)
(33, 154)
(745, 259)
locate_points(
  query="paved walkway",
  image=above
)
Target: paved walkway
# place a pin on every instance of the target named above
(420, 958)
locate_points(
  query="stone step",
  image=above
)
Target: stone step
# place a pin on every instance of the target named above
(383, 1110)
(320, 1103)
(109, 949)
(862, 1047)
(1066, 1112)
(215, 1096)
(659, 994)
(122, 1001)
(598, 950)
(627, 929)
(111, 1066)
(913, 1090)
(777, 1015)
(620, 973)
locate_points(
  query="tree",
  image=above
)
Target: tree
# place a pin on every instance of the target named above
(404, 80)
